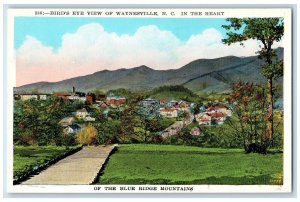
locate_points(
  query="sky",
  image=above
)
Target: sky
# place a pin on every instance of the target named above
(54, 49)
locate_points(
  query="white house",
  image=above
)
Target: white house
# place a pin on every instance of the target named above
(71, 129)
(27, 96)
(81, 113)
(220, 108)
(76, 97)
(89, 118)
(168, 112)
(66, 121)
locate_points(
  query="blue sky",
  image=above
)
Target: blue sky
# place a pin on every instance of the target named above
(56, 48)
(50, 30)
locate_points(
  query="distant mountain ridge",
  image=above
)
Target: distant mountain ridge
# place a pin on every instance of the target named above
(200, 75)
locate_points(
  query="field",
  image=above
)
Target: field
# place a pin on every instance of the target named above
(28, 157)
(168, 164)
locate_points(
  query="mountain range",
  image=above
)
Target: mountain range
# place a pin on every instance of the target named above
(200, 75)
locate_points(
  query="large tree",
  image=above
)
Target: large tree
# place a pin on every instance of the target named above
(248, 121)
(266, 31)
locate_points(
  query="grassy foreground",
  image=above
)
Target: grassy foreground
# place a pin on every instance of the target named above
(169, 164)
(27, 157)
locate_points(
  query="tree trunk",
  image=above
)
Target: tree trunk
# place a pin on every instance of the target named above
(269, 113)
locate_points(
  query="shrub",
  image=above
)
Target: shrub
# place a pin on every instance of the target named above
(88, 136)
(26, 138)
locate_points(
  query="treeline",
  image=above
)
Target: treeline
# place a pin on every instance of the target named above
(36, 122)
(223, 136)
(175, 88)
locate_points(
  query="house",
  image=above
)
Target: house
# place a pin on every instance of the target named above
(102, 104)
(71, 129)
(77, 97)
(81, 113)
(172, 103)
(28, 96)
(149, 107)
(218, 118)
(100, 97)
(115, 100)
(219, 107)
(163, 101)
(89, 118)
(184, 105)
(90, 99)
(149, 102)
(66, 121)
(203, 119)
(168, 112)
(62, 95)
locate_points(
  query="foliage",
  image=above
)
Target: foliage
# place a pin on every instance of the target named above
(98, 91)
(266, 31)
(36, 121)
(169, 164)
(250, 108)
(87, 136)
(107, 130)
(227, 135)
(277, 141)
(222, 136)
(128, 126)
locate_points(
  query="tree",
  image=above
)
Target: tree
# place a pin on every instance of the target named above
(267, 31)
(37, 121)
(32, 121)
(150, 126)
(128, 120)
(249, 109)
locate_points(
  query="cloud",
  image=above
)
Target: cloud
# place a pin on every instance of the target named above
(91, 48)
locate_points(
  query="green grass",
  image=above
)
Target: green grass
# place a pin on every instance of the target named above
(27, 157)
(169, 164)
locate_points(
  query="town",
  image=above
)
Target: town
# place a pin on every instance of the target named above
(183, 112)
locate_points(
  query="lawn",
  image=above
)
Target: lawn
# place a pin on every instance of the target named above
(169, 164)
(28, 157)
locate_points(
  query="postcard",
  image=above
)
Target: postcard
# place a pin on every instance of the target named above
(140, 100)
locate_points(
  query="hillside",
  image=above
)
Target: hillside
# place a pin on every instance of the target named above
(200, 75)
(173, 92)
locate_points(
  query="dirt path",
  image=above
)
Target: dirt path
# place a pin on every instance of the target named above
(79, 168)
(177, 126)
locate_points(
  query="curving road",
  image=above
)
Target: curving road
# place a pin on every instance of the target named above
(177, 126)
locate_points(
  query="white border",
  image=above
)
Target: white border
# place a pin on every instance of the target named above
(286, 13)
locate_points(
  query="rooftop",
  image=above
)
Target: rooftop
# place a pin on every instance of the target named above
(167, 109)
(82, 110)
